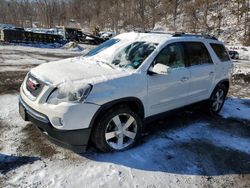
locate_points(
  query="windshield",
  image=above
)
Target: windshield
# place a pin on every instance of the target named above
(133, 55)
(102, 47)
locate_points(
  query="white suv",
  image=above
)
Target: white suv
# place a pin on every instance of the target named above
(107, 94)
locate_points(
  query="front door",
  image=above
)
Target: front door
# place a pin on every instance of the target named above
(170, 91)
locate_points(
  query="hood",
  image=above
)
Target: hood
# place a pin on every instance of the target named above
(76, 69)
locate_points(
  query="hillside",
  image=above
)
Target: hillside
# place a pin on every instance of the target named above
(221, 20)
(228, 20)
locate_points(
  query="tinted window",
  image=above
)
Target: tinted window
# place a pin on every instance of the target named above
(197, 53)
(102, 47)
(172, 55)
(220, 51)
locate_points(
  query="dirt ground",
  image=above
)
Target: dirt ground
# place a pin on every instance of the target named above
(215, 166)
(11, 81)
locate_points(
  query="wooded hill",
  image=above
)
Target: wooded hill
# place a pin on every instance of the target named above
(226, 18)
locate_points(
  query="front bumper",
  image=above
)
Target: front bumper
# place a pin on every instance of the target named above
(76, 140)
(64, 116)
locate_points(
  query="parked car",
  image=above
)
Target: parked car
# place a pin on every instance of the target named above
(233, 54)
(106, 34)
(107, 95)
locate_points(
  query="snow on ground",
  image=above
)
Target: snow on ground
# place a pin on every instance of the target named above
(73, 46)
(187, 149)
(22, 58)
(244, 51)
(241, 67)
(237, 108)
(173, 157)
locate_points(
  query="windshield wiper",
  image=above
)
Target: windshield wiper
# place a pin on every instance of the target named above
(106, 63)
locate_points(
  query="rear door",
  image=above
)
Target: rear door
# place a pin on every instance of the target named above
(202, 71)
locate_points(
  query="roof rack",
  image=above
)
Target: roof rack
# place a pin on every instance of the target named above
(159, 32)
(153, 32)
(205, 36)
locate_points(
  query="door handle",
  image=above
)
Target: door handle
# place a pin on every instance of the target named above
(184, 79)
(211, 73)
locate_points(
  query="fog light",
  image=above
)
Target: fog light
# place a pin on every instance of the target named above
(57, 121)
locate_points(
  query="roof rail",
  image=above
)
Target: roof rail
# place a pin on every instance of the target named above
(153, 32)
(159, 32)
(205, 36)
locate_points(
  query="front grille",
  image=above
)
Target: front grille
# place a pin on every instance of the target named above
(34, 86)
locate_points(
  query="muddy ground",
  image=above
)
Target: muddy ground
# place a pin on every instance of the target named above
(11, 81)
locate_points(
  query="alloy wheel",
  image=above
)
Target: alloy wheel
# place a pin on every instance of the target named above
(121, 131)
(217, 100)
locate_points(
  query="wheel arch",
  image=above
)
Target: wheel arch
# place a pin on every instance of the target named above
(134, 103)
(224, 82)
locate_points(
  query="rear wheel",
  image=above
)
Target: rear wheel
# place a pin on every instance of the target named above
(217, 99)
(119, 129)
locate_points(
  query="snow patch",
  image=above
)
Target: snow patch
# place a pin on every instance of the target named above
(72, 46)
(236, 108)
(165, 157)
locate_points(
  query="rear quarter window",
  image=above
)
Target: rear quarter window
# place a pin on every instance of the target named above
(220, 51)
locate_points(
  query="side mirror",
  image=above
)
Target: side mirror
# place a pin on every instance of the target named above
(160, 69)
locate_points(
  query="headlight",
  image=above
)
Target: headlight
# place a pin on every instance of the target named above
(62, 94)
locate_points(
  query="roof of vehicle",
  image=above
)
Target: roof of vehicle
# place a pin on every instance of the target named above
(148, 37)
(203, 36)
(160, 37)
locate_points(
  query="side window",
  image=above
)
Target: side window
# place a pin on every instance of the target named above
(197, 53)
(220, 51)
(172, 55)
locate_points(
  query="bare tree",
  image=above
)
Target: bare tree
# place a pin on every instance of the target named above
(47, 10)
(247, 20)
(153, 5)
(188, 15)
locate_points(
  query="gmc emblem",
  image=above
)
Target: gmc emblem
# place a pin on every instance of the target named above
(32, 84)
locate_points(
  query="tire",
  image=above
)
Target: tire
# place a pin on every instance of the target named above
(118, 129)
(217, 99)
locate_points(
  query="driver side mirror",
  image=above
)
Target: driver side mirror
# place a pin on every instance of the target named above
(160, 69)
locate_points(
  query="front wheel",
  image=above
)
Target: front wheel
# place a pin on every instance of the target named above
(118, 129)
(217, 99)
